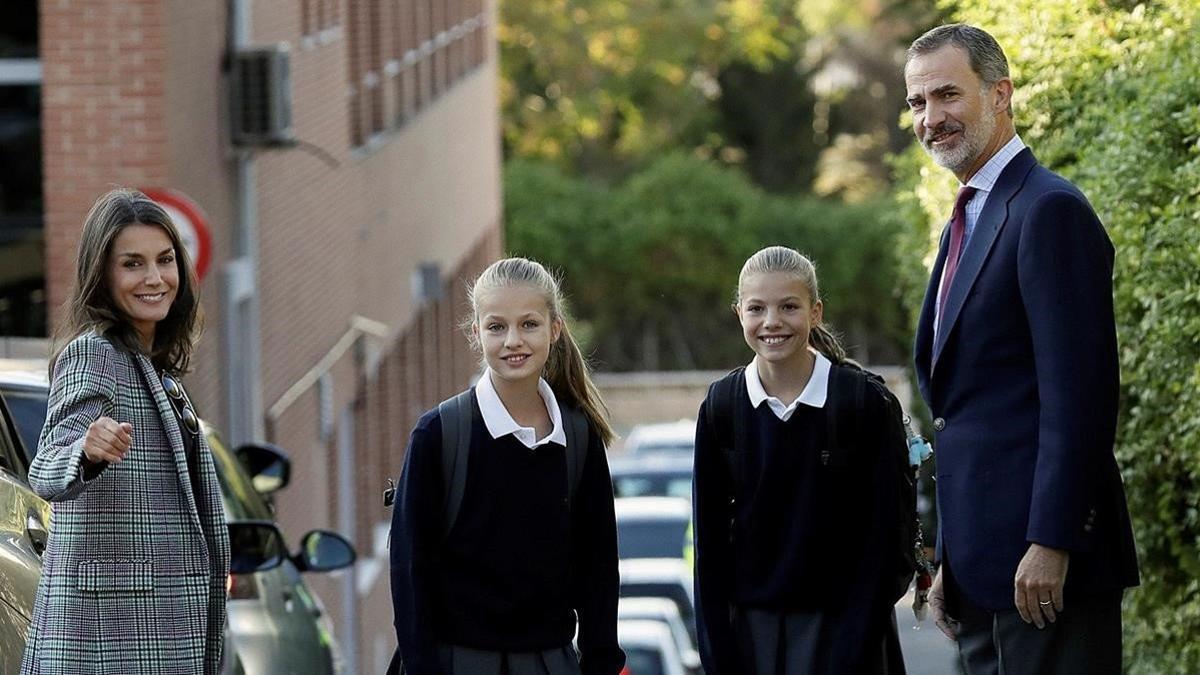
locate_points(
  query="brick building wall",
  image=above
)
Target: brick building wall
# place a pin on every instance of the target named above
(104, 114)
(399, 169)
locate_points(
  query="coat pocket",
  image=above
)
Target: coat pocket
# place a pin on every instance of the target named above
(116, 575)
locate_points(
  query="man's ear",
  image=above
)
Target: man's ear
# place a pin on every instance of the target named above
(1002, 91)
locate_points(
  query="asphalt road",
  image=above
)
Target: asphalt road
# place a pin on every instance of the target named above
(926, 650)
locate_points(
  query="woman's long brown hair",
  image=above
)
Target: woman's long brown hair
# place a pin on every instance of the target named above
(91, 306)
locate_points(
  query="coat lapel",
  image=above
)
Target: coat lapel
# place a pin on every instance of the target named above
(173, 433)
(923, 341)
(991, 221)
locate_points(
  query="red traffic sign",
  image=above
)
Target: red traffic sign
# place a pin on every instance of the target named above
(189, 219)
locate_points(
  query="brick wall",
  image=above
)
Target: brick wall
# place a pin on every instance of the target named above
(104, 114)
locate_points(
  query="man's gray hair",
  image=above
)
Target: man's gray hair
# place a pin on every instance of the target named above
(986, 56)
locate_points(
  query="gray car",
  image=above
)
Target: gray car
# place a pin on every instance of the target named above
(276, 625)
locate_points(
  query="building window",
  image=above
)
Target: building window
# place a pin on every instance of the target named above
(317, 16)
(22, 246)
(404, 54)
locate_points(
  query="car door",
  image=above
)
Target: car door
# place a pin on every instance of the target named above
(274, 621)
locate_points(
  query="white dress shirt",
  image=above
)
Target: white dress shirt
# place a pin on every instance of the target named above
(814, 393)
(500, 423)
(984, 181)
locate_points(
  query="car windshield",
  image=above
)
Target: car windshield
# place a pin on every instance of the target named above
(643, 661)
(664, 589)
(685, 447)
(28, 409)
(651, 538)
(242, 502)
(654, 485)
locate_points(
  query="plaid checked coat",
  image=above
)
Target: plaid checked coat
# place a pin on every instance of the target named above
(133, 577)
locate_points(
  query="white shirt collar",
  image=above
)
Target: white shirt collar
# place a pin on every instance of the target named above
(500, 423)
(814, 393)
(985, 178)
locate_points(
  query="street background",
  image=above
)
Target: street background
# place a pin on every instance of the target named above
(349, 165)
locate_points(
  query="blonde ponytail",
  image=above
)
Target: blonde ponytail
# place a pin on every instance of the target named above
(568, 373)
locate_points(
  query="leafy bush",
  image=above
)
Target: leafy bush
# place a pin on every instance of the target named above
(1108, 93)
(651, 263)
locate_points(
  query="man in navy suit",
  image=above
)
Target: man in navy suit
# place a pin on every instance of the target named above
(1016, 355)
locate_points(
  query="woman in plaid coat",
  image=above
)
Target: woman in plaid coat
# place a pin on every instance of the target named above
(133, 577)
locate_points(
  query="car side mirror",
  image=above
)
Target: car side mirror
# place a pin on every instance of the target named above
(324, 551)
(268, 466)
(255, 546)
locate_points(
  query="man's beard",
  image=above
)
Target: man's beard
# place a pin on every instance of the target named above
(970, 144)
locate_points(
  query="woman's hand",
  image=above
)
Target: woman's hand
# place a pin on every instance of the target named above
(107, 441)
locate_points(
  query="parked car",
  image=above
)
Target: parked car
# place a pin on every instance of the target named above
(25, 385)
(276, 625)
(669, 437)
(656, 475)
(24, 518)
(661, 578)
(666, 612)
(652, 527)
(649, 649)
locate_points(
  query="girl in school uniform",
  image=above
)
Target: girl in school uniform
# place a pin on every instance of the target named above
(529, 556)
(793, 529)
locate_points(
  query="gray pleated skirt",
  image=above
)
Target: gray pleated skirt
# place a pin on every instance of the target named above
(456, 660)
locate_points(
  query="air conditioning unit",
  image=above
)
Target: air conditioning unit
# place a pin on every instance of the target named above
(261, 96)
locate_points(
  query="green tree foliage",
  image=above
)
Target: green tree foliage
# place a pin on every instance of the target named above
(651, 263)
(598, 85)
(1108, 93)
(791, 90)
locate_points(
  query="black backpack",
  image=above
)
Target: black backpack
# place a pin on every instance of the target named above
(455, 414)
(842, 422)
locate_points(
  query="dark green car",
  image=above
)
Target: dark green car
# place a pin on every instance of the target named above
(276, 626)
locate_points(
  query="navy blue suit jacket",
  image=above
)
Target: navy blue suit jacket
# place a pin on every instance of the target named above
(1023, 381)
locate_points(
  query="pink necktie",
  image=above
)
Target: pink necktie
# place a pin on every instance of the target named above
(958, 227)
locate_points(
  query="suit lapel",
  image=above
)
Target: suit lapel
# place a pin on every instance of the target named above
(172, 431)
(991, 221)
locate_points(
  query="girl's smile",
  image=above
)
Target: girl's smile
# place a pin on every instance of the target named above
(516, 360)
(774, 340)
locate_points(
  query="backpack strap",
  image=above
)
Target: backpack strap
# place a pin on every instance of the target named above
(725, 424)
(577, 429)
(455, 414)
(842, 377)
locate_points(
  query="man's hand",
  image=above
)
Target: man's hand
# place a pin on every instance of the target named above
(107, 441)
(1039, 584)
(937, 604)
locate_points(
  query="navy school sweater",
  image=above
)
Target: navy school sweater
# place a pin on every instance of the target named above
(520, 564)
(795, 535)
